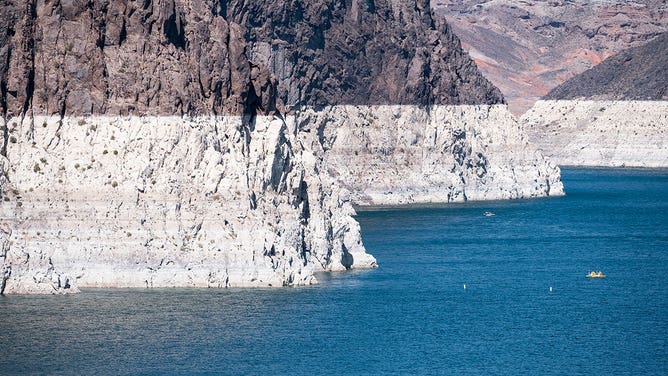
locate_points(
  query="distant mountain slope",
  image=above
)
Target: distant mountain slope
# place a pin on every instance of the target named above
(639, 73)
(528, 47)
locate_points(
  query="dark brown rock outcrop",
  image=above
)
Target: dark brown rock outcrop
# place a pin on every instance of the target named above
(215, 57)
(362, 52)
(120, 57)
(639, 73)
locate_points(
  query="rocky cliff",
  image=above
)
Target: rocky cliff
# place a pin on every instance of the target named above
(615, 114)
(527, 48)
(203, 57)
(362, 52)
(389, 155)
(125, 57)
(170, 201)
(221, 143)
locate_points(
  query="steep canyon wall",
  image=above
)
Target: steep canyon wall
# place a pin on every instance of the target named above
(223, 143)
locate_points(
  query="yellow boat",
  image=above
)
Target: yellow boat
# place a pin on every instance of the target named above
(595, 275)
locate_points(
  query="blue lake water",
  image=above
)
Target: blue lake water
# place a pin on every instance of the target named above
(410, 316)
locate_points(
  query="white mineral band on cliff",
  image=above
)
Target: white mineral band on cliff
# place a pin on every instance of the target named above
(107, 201)
(389, 155)
(601, 132)
(168, 201)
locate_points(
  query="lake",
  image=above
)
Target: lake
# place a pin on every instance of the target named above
(456, 292)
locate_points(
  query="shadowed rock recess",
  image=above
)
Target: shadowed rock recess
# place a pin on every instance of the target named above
(615, 114)
(221, 144)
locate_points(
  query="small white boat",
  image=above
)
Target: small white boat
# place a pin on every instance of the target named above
(489, 214)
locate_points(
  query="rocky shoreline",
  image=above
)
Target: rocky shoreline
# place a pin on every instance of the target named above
(604, 133)
(165, 201)
(108, 201)
(395, 155)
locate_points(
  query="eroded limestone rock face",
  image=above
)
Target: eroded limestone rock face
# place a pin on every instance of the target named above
(160, 201)
(26, 272)
(109, 201)
(388, 155)
(601, 132)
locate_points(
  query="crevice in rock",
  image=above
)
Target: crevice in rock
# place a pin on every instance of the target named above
(3, 82)
(252, 102)
(173, 28)
(5, 136)
(221, 9)
(6, 270)
(6, 273)
(3, 95)
(346, 258)
(30, 84)
(123, 33)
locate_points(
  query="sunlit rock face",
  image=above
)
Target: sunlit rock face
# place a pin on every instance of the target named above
(389, 155)
(168, 201)
(601, 133)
